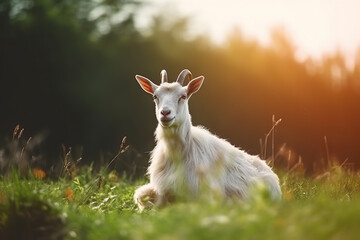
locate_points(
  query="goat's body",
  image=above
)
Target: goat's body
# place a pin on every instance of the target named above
(184, 164)
(188, 159)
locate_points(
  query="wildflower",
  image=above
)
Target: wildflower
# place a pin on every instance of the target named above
(38, 173)
(113, 177)
(69, 194)
(288, 195)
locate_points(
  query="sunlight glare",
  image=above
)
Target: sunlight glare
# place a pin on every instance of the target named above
(316, 27)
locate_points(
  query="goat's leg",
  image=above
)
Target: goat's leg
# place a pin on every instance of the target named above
(164, 199)
(145, 196)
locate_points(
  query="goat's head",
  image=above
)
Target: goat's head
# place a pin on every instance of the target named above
(171, 99)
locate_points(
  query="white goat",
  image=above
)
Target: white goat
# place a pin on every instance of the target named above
(187, 158)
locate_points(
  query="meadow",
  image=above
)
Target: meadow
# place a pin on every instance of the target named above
(69, 76)
(100, 206)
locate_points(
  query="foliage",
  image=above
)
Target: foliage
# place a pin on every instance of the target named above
(324, 208)
(67, 71)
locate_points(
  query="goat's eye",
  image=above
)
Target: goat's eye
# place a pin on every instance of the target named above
(183, 97)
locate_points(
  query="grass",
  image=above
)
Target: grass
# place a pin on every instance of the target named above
(101, 207)
(82, 204)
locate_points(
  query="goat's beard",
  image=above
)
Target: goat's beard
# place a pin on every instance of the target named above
(166, 123)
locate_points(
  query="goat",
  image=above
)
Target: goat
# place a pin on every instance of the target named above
(187, 157)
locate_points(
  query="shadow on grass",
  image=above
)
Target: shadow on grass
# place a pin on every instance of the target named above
(30, 219)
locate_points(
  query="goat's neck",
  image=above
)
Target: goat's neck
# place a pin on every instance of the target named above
(175, 137)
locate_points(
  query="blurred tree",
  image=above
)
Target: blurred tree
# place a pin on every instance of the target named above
(52, 60)
(67, 67)
(281, 43)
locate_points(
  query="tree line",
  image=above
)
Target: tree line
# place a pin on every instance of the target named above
(67, 72)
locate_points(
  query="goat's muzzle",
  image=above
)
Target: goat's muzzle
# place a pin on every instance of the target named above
(166, 121)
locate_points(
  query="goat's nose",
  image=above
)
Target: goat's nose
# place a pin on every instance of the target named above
(165, 112)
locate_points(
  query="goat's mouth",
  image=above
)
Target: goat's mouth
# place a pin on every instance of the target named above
(165, 121)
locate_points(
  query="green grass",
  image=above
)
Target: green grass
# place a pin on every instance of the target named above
(93, 207)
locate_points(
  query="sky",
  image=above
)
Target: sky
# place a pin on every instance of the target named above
(316, 27)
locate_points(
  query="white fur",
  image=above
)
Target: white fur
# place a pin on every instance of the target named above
(188, 159)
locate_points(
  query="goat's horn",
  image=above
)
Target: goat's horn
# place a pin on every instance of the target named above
(184, 73)
(164, 77)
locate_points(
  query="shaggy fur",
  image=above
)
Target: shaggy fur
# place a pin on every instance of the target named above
(188, 159)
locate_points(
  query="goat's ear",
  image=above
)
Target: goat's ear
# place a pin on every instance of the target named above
(194, 85)
(146, 84)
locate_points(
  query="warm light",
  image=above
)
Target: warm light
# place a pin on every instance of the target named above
(315, 27)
